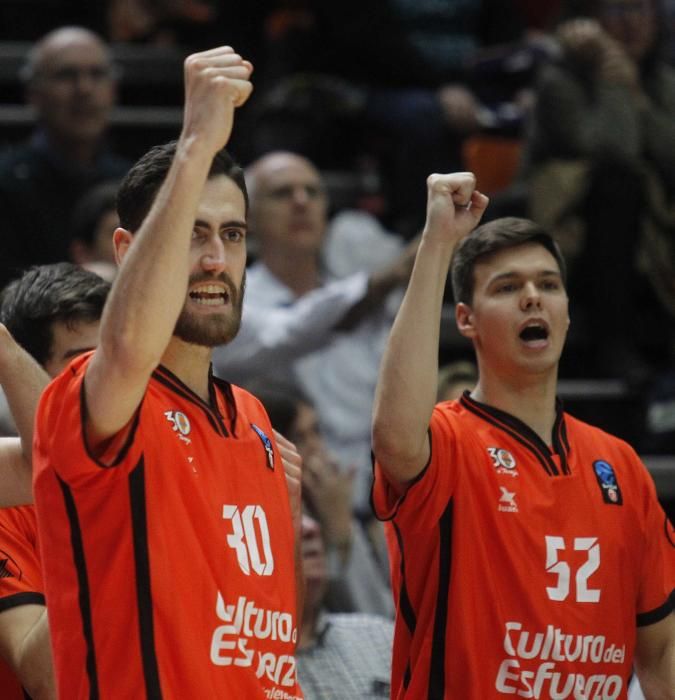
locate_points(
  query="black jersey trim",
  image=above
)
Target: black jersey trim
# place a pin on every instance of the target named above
(83, 594)
(404, 604)
(127, 442)
(16, 600)
(226, 389)
(524, 434)
(437, 664)
(408, 485)
(143, 583)
(172, 382)
(653, 616)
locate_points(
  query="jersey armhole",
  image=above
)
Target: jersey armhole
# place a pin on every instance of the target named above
(24, 598)
(653, 616)
(111, 452)
(395, 495)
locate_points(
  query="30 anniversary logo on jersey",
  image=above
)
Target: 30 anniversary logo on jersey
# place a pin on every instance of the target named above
(503, 461)
(180, 423)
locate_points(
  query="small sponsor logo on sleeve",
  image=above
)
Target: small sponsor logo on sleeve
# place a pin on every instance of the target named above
(609, 486)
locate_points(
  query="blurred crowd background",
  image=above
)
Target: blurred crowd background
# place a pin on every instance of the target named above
(564, 110)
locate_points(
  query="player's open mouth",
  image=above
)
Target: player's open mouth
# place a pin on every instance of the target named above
(209, 295)
(534, 332)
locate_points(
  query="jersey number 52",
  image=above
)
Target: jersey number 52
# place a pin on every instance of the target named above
(555, 548)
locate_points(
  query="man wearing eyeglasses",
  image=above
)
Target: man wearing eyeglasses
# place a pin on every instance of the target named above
(70, 84)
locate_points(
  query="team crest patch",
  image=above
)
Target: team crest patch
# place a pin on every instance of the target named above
(609, 487)
(267, 444)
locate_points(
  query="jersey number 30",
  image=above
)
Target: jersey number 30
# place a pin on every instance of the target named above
(554, 565)
(250, 539)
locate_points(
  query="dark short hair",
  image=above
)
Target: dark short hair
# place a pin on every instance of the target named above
(140, 185)
(44, 294)
(489, 238)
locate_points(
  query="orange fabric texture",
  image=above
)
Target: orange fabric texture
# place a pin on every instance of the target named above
(518, 568)
(170, 573)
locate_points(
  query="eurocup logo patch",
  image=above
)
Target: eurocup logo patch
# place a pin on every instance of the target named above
(267, 444)
(609, 487)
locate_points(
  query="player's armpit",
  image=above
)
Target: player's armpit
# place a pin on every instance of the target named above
(655, 659)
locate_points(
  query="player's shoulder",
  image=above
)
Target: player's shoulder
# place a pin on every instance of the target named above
(67, 382)
(585, 435)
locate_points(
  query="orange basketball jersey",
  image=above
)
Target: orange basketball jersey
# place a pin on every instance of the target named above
(170, 573)
(519, 569)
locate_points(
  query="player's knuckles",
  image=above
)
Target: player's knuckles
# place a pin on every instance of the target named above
(441, 183)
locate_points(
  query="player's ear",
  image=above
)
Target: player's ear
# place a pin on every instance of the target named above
(121, 242)
(464, 320)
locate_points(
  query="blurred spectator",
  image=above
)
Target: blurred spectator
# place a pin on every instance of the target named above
(394, 79)
(93, 223)
(336, 367)
(341, 656)
(600, 168)
(355, 550)
(455, 378)
(70, 82)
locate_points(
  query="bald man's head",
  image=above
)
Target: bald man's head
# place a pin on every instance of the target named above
(71, 84)
(288, 203)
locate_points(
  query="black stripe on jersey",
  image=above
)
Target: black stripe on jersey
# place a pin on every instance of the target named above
(127, 441)
(83, 594)
(143, 584)
(226, 389)
(561, 443)
(171, 381)
(523, 433)
(404, 604)
(437, 665)
(649, 618)
(24, 598)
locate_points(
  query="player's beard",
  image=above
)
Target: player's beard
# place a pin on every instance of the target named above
(217, 328)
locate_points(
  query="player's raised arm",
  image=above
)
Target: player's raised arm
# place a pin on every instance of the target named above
(23, 380)
(151, 286)
(406, 389)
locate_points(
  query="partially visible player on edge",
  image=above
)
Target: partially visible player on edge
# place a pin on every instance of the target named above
(529, 553)
(163, 510)
(53, 312)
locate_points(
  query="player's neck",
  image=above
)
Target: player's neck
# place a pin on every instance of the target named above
(531, 402)
(190, 363)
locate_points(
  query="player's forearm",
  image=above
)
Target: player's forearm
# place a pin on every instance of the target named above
(406, 388)
(23, 381)
(151, 286)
